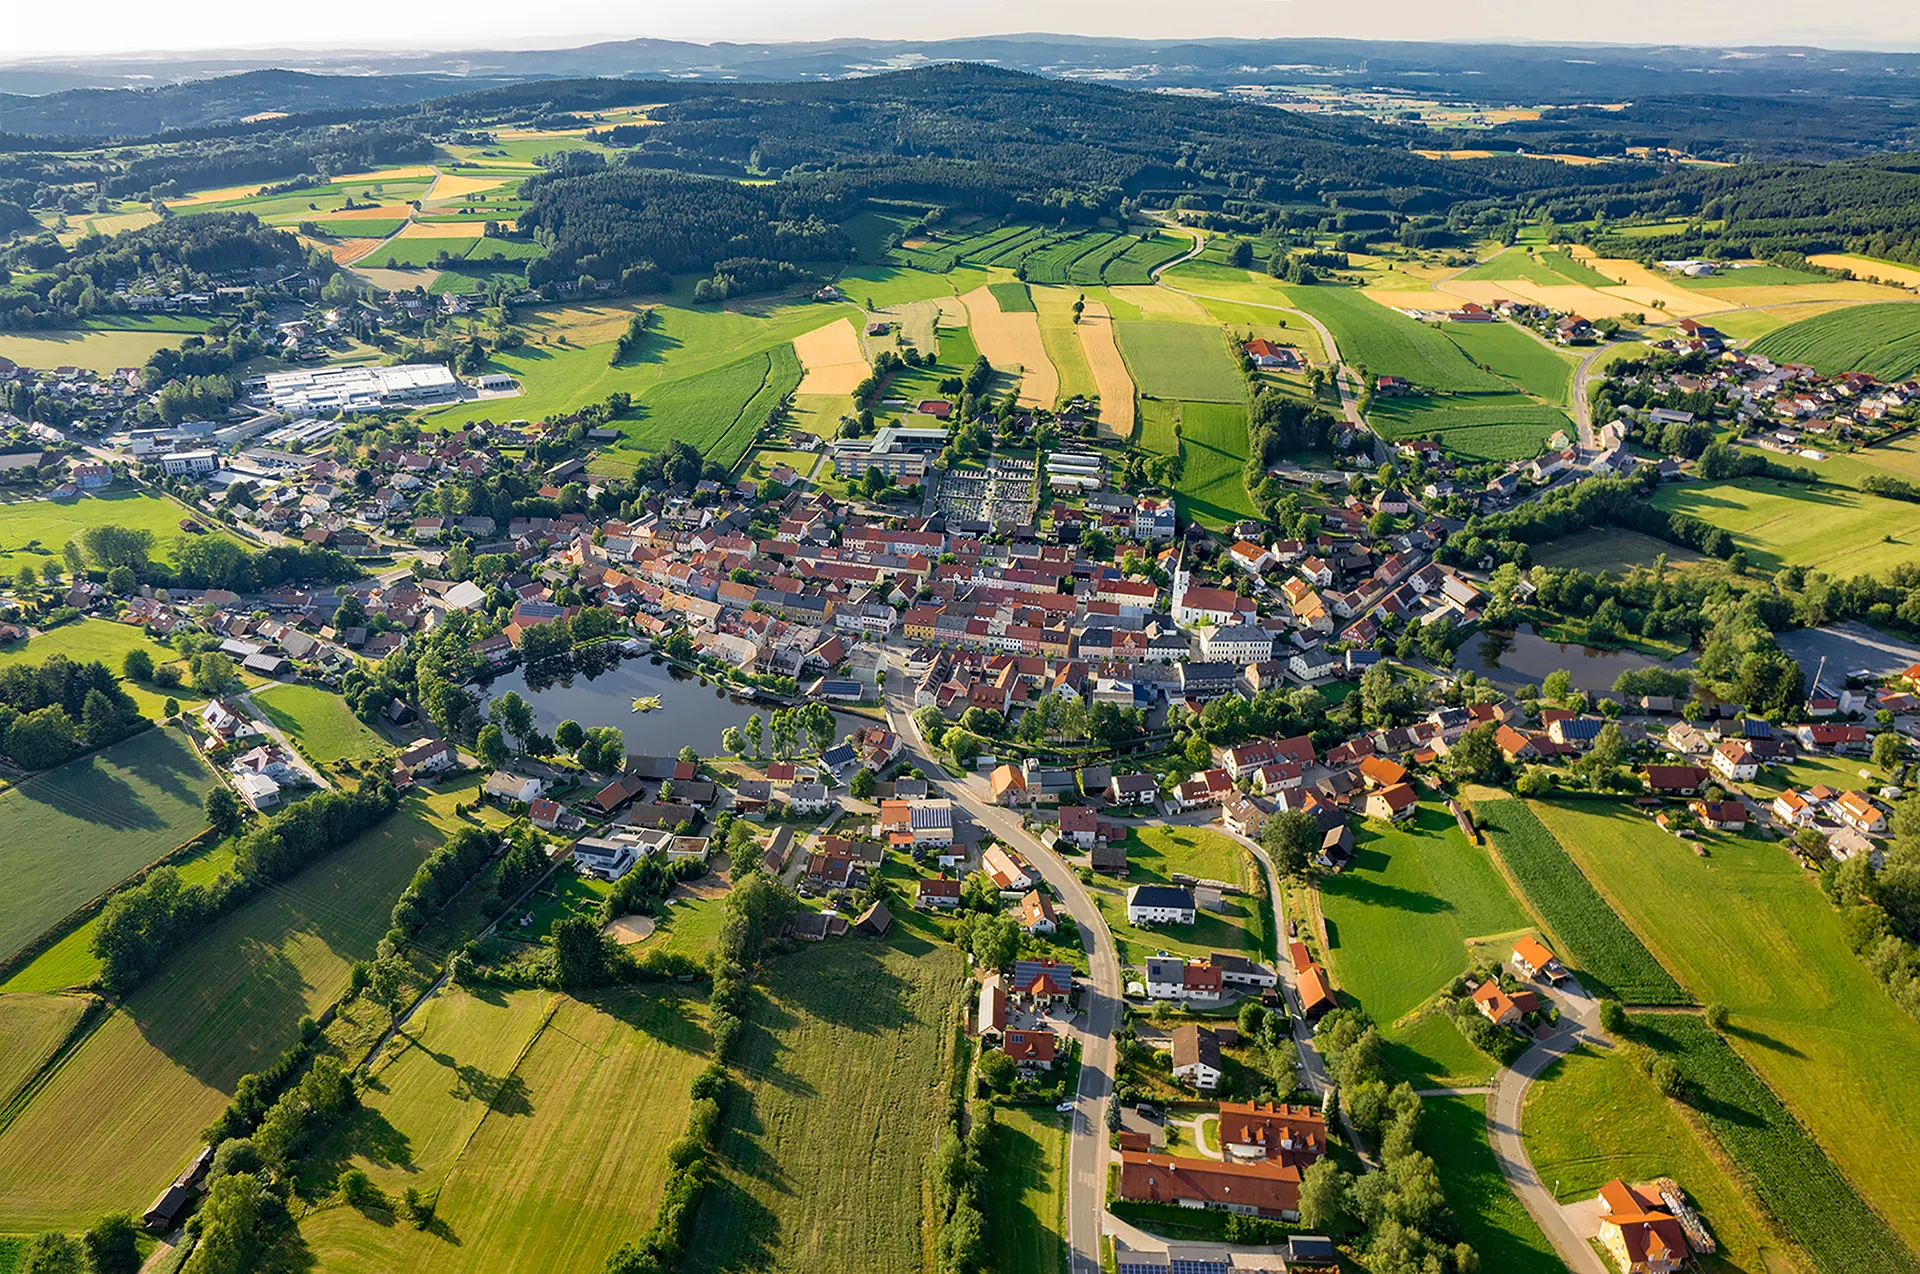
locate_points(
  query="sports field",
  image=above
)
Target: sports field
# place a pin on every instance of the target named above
(1477, 427)
(75, 832)
(1748, 929)
(1881, 340)
(1509, 351)
(1181, 360)
(843, 1062)
(1592, 1116)
(538, 1124)
(1388, 343)
(319, 723)
(124, 1113)
(34, 531)
(1399, 918)
(1830, 528)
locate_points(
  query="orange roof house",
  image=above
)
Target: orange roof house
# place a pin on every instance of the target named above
(1638, 1231)
(1266, 1187)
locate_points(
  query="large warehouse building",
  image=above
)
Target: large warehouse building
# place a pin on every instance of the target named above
(330, 389)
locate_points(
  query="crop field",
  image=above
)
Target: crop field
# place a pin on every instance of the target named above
(541, 1133)
(1009, 341)
(1587, 933)
(328, 202)
(1881, 340)
(1139, 261)
(1747, 928)
(1826, 527)
(1009, 250)
(1592, 1116)
(1453, 1131)
(1026, 1199)
(1181, 360)
(75, 832)
(844, 1061)
(1530, 364)
(34, 1027)
(123, 1113)
(1090, 270)
(1889, 272)
(1784, 1166)
(1750, 276)
(1012, 298)
(98, 351)
(700, 410)
(1479, 427)
(1112, 381)
(34, 530)
(1547, 268)
(320, 724)
(1054, 263)
(1399, 918)
(1388, 343)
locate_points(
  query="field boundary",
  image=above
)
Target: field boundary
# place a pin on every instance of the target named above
(20, 1098)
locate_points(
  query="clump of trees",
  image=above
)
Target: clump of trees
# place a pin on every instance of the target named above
(52, 712)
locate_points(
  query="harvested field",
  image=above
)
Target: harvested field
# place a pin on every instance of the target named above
(830, 359)
(1013, 340)
(1111, 379)
(1611, 303)
(392, 280)
(95, 351)
(33, 1028)
(919, 325)
(1887, 272)
(465, 230)
(451, 188)
(348, 251)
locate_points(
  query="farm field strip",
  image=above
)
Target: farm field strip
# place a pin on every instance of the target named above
(1186, 361)
(1516, 355)
(1881, 340)
(1489, 427)
(1826, 527)
(1012, 340)
(1111, 379)
(1388, 343)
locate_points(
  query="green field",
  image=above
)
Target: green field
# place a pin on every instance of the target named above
(783, 377)
(1783, 1165)
(1825, 527)
(705, 410)
(1592, 1116)
(1027, 1190)
(1547, 268)
(1881, 340)
(1588, 935)
(1610, 549)
(124, 1112)
(1747, 928)
(75, 832)
(1213, 486)
(315, 202)
(1478, 427)
(1453, 1131)
(1154, 856)
(1388, 343)
(1137, 264)
(320, 724)
(34, 531)
(1429, 1051)
(1399, 918)
(843, 1064)
(1180, 360)
(33, 1027)
(1054, 263)
(1012, 298)
(870, 231)
(539, 1124)
(1510, 351)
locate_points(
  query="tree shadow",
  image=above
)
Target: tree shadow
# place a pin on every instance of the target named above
(1764, 1040)
(734, 1232)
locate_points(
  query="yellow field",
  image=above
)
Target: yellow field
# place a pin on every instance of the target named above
(594, 324)
(395, 280)
(1576, 160)
(449, 188)
(95, 351)
(350, 250)
(115, 223)
(522, 134)
(1591, 303)
(1786, 294)
(1160, 301)
(1109, 371)
(1866, 267)
(214, 196)
(380, 212)
(1013, 340)
(466, 231)
(830, 359)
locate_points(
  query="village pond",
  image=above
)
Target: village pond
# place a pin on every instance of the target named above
(1528, 658)
(599, 689)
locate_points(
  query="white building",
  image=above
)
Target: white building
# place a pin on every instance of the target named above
(1240, 644)
(175, 463)
(323, 390)
(257, 790)
(1160, 905)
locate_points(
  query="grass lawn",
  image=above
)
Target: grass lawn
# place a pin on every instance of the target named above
(1748, 928)
(1388, 343)
(1510, 351)
(1399, 918)
(126, 1109)
(1882, 340)
(1430, 1052)
(1453, 1130)
(1476, 427)
(1181, 360)
(566, 893)
(537, 1122)
(691, 927)
(319, 723)
(1592, 1116)
(1154, 854)
(1824, 527)
(844, 1063)
(1213, 487)
(1026, 1201)
(33, 531)
(75, 832)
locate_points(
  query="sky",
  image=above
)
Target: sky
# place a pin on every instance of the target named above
(149, 26)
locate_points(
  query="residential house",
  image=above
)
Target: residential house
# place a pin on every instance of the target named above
(1639, 1231)
(1500, 1008)
(1534, 959)
(1031, 1050)
(1676, 780)
(1264, 1188)
(1036, 913)
(1188, 981)
(1160, 905)
(1008, 873)
(938, 893)
(1196, 1057)
(1393, 804)
(1734, 760)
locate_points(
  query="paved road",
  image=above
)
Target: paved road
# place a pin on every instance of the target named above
(1101, 1004)
(1582, 406)
(1579, 1017)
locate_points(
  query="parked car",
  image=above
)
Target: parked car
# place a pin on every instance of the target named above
(1065, 1106)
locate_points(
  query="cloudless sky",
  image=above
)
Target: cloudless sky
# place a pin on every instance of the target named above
(32, 27)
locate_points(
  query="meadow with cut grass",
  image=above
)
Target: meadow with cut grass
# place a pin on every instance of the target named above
(1186, 361)
(75, 832)
(1880, 340)
(1747, 928)
(34, 531)
(1388, 343)
(1453, 1131)
(320, 724)
(843, 1068)
(1824, 527)
(1026, 1201)
(1476, 427)
(1511, 352)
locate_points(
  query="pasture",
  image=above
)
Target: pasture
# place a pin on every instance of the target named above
(1785, 1167)
(1611, 549)
(1747, 928)
(1584, 931)
(1830, 528)
(1453, 1131)
(320, 724)
(843, 1064)
(538, 1124)
(33, 531)
(1026, 1195)
(1388, 343)
(1213, 486)
(75, 832)
(1477, 427)
(1881, 340)
(1181, 360)
(1399, 918)
(719, 413)
(96, 351)
(124, 1112)
(1545, 267)
(1592, 1116)
(1516, 355)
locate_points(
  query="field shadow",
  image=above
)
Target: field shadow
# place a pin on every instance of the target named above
(168, 772)
(1763, 1040)
(735, 1232)
(87, 793)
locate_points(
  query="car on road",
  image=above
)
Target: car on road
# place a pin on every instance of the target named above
(1065, 1106)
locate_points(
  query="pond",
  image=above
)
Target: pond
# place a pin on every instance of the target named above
(598, 689)
(1529, 657)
